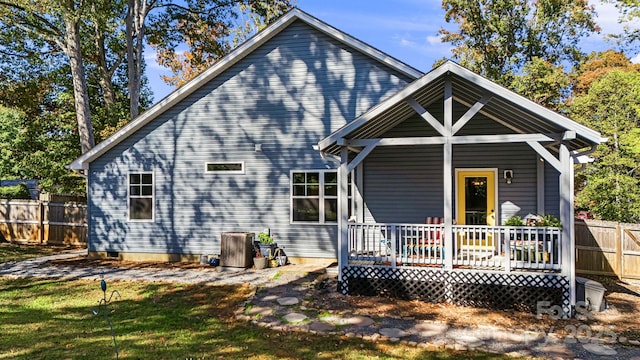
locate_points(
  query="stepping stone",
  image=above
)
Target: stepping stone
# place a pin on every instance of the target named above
(359, 321)
(259, 310)
(288, 301)
(269, 298)
(321, 326)
(333, 319)
(506, 336)
(469, 341)
(294, 318)
(392, 333)
(431, 329)
(601, 350)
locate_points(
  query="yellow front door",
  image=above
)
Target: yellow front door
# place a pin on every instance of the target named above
(476, 196)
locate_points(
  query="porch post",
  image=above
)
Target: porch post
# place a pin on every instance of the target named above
(343, 212)
(448, 174)
(540, 185)
(566, 218)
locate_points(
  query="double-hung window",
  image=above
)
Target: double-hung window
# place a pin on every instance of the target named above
(141, 196)
(314, 196)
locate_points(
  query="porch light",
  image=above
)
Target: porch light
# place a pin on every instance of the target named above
(508, 176)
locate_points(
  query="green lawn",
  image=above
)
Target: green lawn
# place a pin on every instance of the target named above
(15, 252)
(52, 319)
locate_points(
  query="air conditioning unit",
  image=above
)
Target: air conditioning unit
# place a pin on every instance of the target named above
(236, 249)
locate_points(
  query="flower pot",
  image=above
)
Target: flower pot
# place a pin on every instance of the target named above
(273, 263)
(260, 263)
(267, 250)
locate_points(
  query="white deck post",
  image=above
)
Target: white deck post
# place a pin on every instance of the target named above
(343, 212)
(540, 184)
(566, 218)
(448, 174)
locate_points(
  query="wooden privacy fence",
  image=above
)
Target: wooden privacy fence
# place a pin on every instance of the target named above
(608, 248)
(44, 222)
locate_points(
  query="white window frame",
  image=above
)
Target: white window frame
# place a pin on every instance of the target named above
(207, 171)
(152, 196)
(321, 196)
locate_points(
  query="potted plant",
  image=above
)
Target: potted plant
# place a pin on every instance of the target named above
(266, 244)
(259, 261)
(514, 221)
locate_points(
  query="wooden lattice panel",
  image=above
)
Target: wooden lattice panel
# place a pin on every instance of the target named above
(462, 287)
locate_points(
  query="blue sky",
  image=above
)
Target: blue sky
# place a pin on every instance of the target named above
(404, 29)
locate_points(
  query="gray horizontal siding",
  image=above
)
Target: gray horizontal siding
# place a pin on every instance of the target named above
(404, 184)
(286, 95)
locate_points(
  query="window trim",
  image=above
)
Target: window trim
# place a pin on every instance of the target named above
(207, 171)
(153, 195)
(321, 196)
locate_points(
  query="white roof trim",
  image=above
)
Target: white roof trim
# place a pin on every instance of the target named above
(229, 60)
(450, 66)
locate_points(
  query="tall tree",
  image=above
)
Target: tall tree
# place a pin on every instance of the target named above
(611, 106)
(544, 83)
(55, 24)
(497, 38)
(629, 15)
(209, 31)
(595, 66)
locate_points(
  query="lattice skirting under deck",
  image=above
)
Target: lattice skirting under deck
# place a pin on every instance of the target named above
(459, 286)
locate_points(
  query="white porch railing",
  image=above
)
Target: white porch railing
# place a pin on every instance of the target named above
(498, 247)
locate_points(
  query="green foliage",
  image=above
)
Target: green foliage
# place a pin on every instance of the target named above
(629, 15)
(550, 221)
(611, 106)
(497, 38)
(20, 191)
(611, 196)
(544, 83)
(514, 221)
(265, 238)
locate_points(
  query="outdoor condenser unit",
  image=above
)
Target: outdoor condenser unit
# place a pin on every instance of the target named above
(236, 249)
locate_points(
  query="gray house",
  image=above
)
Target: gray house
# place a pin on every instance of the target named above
(344, 152)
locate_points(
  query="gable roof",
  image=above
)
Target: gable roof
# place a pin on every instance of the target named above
(229, 60)
(524, 115)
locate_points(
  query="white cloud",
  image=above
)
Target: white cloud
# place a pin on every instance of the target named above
(406, 42)
(434, 40)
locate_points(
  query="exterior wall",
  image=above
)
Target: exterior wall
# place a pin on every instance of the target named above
(286, 95)
(404, 184)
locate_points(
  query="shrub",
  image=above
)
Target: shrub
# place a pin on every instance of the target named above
(20, 191)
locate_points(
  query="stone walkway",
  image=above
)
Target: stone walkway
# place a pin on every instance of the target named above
(281, 302)
(289, 309)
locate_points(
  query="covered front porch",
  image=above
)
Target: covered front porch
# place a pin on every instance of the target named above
(455, 147)
(496, 248)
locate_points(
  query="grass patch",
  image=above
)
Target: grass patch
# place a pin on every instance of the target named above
(277, 275)
(52, 319)
(16, 252)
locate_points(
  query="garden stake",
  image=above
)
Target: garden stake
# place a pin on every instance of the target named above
(104, 304)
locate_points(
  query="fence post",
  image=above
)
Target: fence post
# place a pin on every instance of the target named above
(40, 222)
(619, 258)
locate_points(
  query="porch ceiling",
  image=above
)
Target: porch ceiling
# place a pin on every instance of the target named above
(505, 107)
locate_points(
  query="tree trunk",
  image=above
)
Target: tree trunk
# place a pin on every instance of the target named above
(133, 66)
(104, 75)
(80, 90)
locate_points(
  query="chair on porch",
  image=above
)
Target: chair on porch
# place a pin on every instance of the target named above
(430, 242)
